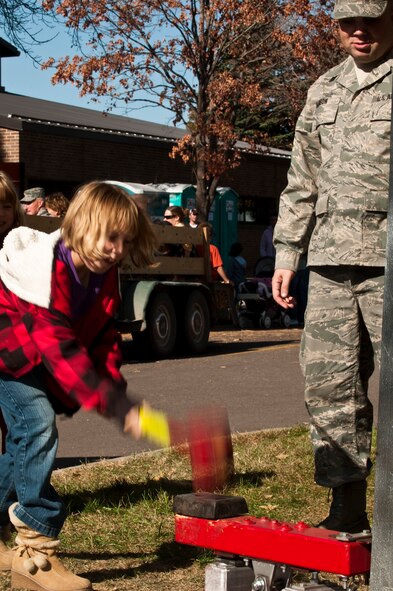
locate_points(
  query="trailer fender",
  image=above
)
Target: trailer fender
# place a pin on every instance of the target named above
(135, 297)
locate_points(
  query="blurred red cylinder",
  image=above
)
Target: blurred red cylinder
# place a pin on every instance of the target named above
(211, 450)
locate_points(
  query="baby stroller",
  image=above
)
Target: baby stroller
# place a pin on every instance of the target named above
(255, 304)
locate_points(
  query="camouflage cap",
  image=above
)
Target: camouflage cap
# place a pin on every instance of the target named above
(362, 8)
(31, 195)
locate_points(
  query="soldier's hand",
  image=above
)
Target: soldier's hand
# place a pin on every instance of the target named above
(280, 288)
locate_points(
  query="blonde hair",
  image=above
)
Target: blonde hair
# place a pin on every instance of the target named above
(98, 209)
(8, 194)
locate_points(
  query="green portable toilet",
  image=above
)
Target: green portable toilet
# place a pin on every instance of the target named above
(223, 217)
(214, 219)
(154, 201)
(182, 195)
(228, 200)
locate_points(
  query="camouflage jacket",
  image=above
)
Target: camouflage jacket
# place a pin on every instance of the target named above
(334, 207)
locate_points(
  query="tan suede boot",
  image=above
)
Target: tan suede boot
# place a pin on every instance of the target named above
(6, 554)
(35, 564)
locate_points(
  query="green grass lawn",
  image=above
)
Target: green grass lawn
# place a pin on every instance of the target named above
(120, 529)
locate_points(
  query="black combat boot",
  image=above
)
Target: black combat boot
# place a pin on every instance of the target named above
(348, 509)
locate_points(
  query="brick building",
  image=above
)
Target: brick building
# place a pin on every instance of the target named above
(57, 146)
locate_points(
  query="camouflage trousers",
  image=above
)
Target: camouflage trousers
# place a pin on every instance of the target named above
(341, 338)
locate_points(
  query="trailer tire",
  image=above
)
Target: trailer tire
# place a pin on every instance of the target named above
(196, 323)
(159, 337)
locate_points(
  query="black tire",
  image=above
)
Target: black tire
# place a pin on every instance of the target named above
(265, 321)
(196, 323)
(161, 326)
(285, 320)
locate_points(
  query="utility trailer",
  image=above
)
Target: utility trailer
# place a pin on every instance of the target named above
(173, 304)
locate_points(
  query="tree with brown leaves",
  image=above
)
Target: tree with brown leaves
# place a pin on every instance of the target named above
(190, 57)
(26, 24)
(205, 61)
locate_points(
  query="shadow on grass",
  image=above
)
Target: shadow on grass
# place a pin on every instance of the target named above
(123, 494)
(75, 461)
(167, 557)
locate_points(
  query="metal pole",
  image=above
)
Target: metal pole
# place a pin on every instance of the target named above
(382, 544)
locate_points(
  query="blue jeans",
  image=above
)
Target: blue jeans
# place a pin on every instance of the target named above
(31, 445)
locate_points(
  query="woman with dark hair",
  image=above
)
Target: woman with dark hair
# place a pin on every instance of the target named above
(175, 215)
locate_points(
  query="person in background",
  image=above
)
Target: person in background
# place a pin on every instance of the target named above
(193, 218)
(56, 205)
(236, 267)
(176, 216)
(63, 353)
(33, 201)
(266, 246)
(334, 210)
(217, 268)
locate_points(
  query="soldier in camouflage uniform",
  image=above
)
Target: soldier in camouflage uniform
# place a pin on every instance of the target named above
(334, 209)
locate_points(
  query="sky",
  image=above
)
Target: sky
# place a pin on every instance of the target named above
(20, 75)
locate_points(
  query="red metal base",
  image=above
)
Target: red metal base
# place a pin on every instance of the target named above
(295, 545)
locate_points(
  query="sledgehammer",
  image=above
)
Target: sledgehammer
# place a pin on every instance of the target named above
(205, 432)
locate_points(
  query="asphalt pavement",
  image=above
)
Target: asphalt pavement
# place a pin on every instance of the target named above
(255, 374)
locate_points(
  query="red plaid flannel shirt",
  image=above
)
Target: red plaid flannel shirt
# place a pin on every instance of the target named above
(82, 359)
